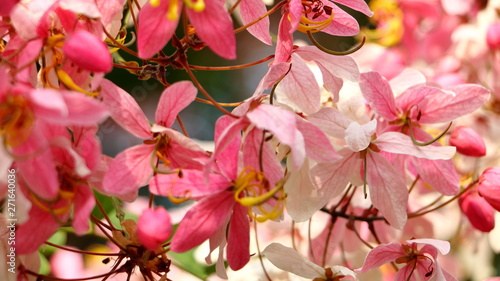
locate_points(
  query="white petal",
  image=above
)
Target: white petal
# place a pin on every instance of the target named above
(288, 259)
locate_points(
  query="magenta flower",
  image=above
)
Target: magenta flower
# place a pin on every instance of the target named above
(419, 263)
(212, 23)
(480, 214)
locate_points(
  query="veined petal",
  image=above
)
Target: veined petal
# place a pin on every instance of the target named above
(317, 144)
(202, 221)
(300, 86)
(289, 260)
(83, 110)
(238, 240)
(441, 245)
(130, 170)
(440, 174)
(358, 5)
(215, 27)
(252, 10)
(125, 110)
(331, 121)
(395, 142)
(227, 159)
(342, 24)
(378, 93)
(380, 255)
(155, 28)
(84, 203)
(344, 67)
(174, 99)
(388, 191)
(453, 103)
(27, 242)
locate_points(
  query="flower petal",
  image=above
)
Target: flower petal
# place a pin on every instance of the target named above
(289, 260)
(174, 99)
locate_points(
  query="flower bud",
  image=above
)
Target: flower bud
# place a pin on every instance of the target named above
(489, 187)
(88, 52)
(154, 227)
(468, 142)
(480, 214)
(493, 36)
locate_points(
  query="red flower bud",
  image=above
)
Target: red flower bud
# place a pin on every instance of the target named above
(480, 214)
(489, 187)
(468, 142)
(493, 36)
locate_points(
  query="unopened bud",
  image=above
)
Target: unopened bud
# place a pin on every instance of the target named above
(154, 227)
(480, 214)
(493, 36)
(489, 187)
(468, 142)
(88, 52)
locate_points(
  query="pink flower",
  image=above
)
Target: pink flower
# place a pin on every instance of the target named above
(489, 187)
(212, 23)
(467, 142)
(154, 227)
(7, 7)
(419, 263)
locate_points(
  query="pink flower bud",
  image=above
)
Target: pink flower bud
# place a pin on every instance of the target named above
(480, 214)
(154, 227)
(88, 52)
(489, 187)
(468, 142)
(493, 36)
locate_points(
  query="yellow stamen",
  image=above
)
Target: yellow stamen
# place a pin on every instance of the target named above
(197, 6)
(388, 18)
(313, 26)
(250, 191)
(16, 120)
(68, 82)
(154, 3)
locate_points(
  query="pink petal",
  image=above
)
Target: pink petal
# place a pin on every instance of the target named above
(378, 93)
(440, 174)
(300, 86)
(40, 175)
(442, 246)
(40, 222)
(83, 110)
(227, 159)
(183, 152)
(7, 7)
(84, 203)
(331, 83)
(88, 52)
(215, 27)
(238, 240)
(130, 170)
(317, 144)
(332, 178)
(480, 214)
(282, 124)
(284, 43)
(413, 96)
(155, 29)
(330, 121)
(358, 5)
(252, 10)
(125, 110)
(344, 67)
(202, 221)
(380, 255)
(174, 99)
(388, 191)
(192, 184)
(395, 142)
(343, 24)
(48, 103)
(461, 100)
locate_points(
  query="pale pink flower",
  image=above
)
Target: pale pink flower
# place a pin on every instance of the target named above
(419, 263)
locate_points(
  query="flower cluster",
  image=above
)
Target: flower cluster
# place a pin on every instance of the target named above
(388, 149)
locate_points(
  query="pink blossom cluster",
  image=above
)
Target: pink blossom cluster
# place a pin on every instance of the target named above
(376, 163)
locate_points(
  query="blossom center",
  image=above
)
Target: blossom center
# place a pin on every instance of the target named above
(16, 120)
(312, 10)
(174, 6)
(251, 189)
